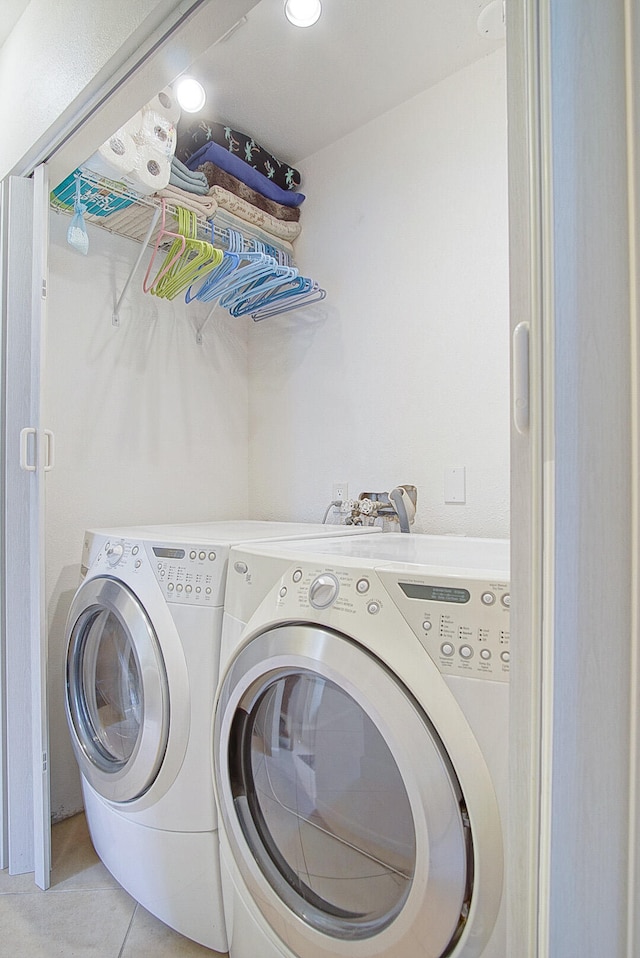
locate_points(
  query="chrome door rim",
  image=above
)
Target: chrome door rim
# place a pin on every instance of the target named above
(273, 654)
(119, 781)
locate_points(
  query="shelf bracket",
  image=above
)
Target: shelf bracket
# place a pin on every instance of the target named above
(200, 329)
(115, 318)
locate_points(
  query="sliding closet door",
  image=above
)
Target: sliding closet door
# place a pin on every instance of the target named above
(28, 455)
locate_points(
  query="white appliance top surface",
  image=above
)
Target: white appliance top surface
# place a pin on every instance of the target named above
(232, 531)
(458, 552)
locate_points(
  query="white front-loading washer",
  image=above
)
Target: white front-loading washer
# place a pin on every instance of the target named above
(143, 648)
(360, 748)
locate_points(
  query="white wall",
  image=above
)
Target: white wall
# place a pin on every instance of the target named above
(403, 370)
(149, 427)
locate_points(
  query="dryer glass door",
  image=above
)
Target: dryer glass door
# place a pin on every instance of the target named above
(117, 699)
(334, 784)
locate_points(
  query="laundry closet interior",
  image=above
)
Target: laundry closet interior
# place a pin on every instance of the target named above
(395, 115)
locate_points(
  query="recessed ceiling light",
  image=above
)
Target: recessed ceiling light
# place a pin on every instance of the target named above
(302, 13)
(190, 94)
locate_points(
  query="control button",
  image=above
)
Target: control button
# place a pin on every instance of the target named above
(466, 651)
(447, 649)
(179, 587)
(505, 656)
(198, 590)
(362, 586)
(323, 591)
(188, 588)
(138, 563)
(283, 591)
(170, 587)
(427, 625)
(488, 598)
(241, 567)
(297, 575)
(212, 557)
(160, 565)
(506, 600)
(202, 555)
(193, 554)
(373, 608)
(207, 591)
(485, 654)
(135, 551)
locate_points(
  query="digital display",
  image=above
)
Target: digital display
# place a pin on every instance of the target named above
(168, 553)
(435, 593)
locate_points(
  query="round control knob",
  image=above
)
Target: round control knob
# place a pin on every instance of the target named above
(179, 587)
(240, 567)
(212, 557)
(115, 552)
(506, 600)
(198, 589)
(188, 588)
(362, 586)
(170, 587)
(297, 575)
(283, 591)
(466, 651)
(207, 591)
(487, 598)
(202, 555)
(427, 625)
(135, 551)
(138, 563)
(485, 654)
(323, 591)
(193, 554)
(373, 608)
(447, 649)
(505, 656)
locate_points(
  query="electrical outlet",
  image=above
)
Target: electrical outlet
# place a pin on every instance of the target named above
(340, 491)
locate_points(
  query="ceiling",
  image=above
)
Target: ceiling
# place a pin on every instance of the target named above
(298, 90)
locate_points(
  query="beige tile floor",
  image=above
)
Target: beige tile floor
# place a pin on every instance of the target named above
(85, 913)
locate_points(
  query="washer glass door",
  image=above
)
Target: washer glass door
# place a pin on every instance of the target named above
(117, 694)
(344, 799)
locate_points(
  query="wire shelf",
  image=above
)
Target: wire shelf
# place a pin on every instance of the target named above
(115, 208)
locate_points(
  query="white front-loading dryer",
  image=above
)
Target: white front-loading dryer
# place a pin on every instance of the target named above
(143, 648)
(360, 746)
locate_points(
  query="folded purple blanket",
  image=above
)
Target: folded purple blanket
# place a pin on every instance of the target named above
(213, 153)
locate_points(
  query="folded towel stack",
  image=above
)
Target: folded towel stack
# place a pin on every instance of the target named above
(243, 146)
(245, 179)
(184, 178)
(217, 177)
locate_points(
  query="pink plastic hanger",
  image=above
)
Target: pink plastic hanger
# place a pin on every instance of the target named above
(162, 234)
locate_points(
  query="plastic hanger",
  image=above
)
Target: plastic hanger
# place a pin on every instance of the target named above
(315, 295)
(252, 263)
(213, 281)
(270, 274)
(163, 233)
(197, 257)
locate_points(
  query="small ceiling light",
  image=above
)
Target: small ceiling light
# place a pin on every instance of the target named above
(302, 13)
(190, 94)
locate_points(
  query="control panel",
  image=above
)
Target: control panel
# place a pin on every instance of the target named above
(187, 574)
(462, 623)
